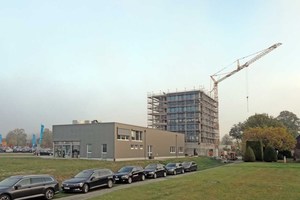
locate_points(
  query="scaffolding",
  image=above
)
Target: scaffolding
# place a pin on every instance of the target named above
(193, 113)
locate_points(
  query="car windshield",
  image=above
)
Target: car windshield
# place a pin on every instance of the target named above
(171, 165)
(125, 169)
(9, 182)
(186, 164)
(150, 166)
(84, 174)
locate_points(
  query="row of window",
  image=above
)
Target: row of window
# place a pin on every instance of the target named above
(182, 97)
(135, 146)
(103, 148)
(183, 109)
(182, 115)
(173, 149)
(126, 135)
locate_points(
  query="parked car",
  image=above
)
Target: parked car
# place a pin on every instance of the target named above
(8, 150)
(190, 166)
(155, 170)
(129, 174)
(45, 152)
(89, 179)
(28, 186)
(174, 168)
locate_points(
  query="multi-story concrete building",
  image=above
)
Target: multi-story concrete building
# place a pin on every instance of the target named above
(192, 113)
(115, 141)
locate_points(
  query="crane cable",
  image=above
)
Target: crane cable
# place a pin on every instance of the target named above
(247, 89)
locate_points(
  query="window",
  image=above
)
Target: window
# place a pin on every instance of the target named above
(104, 148)
(123, 134)
(123, 137)
(132, 146)
(136, 135)
(24, 182)
(89, 150)
(37, 180)
(136, 146)
(172, 149)
(180, 149)
(141, 147)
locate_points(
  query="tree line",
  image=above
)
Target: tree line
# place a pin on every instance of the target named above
(18, 137)
(279, 132)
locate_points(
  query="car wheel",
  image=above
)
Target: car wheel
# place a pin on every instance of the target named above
(129, 180)
(174, 173)
(85, 188)
(154, 176)
(5, 197)
(109, 183)
(165, 174)
(143, 177)
(49, 194)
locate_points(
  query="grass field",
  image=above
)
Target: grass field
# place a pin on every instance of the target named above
(63, 169)
(245, 181)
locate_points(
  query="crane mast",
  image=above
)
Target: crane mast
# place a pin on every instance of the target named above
(239, 67)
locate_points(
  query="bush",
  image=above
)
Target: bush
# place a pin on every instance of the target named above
(257, 148)
(270, 154)
(249, 155)
(286, 153)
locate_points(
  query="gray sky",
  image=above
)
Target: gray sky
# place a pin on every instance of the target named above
(66, 60)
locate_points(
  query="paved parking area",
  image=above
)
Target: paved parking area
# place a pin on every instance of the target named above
(102, 191)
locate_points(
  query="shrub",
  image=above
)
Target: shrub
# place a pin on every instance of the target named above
(249, 155)
(257, 148)
(286, 153)
(270, 154)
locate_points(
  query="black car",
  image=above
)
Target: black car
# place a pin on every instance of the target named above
(190, 166)
(129, 174)
(30, 186)
(174, 168)
(89, 179)
(45, 152)
(155, 170)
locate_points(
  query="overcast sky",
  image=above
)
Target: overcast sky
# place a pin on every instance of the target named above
(66, 60)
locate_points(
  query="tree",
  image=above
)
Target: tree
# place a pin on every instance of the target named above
(270, 154)
(47, 141)
(249, 155)
(236, 132)
(277, 137)
(290, 121)
(226, 140)
(16, 137)
(261, 120)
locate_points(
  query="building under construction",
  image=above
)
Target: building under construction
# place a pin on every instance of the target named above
(193, 113)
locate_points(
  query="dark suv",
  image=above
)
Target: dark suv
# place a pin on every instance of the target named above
(30, 186)
(89, 179)
(129, 174)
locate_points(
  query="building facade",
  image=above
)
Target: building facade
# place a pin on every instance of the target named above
(192, 113)
(115, 141)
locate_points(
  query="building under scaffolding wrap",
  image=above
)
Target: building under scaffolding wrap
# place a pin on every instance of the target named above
(193, 113)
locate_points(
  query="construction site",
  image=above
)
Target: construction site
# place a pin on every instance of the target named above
(195, 113)
(192, 113)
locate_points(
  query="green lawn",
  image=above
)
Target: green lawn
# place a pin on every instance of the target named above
(245, 181)
(63, 169)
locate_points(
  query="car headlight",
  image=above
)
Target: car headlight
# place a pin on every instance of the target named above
(80, 184)
(124, 177)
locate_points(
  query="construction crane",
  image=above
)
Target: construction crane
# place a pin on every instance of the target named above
(222, 77)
